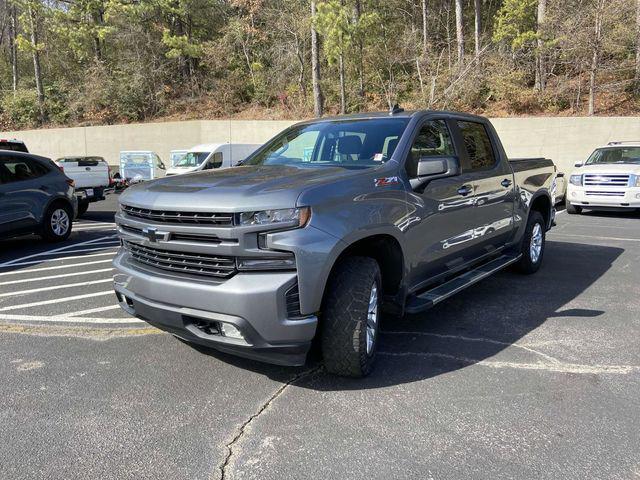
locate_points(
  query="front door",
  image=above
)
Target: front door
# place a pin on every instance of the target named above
(20, 193)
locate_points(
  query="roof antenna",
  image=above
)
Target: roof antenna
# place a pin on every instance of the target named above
(396, 109)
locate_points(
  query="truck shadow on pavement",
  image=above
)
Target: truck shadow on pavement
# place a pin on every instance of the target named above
(473, 326)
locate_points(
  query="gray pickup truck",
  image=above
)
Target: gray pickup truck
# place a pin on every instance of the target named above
(323, 227)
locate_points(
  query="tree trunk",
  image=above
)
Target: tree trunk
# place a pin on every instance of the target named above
(360, 46)
(595, 58)
(638, 44)
(477, 4)
(37, 71)
(343, 93)
(460, 31)
(13, 47)
(318, 101)
(425, 31)
(301, 79)
(98, 19)
(541, 72)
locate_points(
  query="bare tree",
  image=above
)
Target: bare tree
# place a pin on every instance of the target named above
(13, 46)
(35, 51)
(596, 44)
(638, 44)
(460, 31)
(541, 73)
(357, 12)
(425, 27)
(477, 6)
(318, 100)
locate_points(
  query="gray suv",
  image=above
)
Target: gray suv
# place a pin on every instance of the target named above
(35, 197)
(323, 226)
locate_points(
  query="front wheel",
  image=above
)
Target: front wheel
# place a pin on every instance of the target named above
(533, 244)
(56, 224)
(350, 321)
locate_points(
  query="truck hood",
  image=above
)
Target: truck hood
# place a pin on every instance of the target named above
(243, 188)
(613, 168)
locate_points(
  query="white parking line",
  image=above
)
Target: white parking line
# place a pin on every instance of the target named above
(111, 245)
(57, 300)
(618, 239)
(55, 287)
(55, 250)
(32, 262)
(67, 319)
(52, 277)
(83, 224)
(101, 227)
(79, 313)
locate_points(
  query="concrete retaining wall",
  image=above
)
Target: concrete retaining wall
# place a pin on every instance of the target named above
(563, 139)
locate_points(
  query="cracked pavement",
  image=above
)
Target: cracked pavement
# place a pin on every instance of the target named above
(517, 377)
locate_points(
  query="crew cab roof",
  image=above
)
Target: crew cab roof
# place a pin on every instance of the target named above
(402, 114)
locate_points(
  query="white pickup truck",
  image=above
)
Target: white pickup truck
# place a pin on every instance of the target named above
(91, 176)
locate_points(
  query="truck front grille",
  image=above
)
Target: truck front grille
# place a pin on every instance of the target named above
(205, 265)
(605, 180)
(166, 216)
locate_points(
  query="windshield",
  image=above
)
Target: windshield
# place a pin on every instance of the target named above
(192, 159)
(615, 155)
(346, 143)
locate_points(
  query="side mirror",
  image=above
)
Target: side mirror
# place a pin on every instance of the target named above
(577, 164)
(560, 175)
(430, 168)
(161, 166)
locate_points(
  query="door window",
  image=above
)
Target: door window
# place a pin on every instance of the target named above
(478, 145)
(433, 140)
(19, 169)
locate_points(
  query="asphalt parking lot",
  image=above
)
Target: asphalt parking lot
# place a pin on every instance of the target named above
(517, 377)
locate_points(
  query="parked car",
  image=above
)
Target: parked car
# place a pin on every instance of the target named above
(138, 166)
(13, 145)
(323, 226)
(35, 197)
(175, 156)
(91, 177)
(608, 179)
(211, 156)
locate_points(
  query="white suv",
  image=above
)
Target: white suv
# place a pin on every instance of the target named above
(610, 178)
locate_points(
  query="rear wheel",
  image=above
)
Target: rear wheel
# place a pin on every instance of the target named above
(350, 323)
(82, 208)
(573, 209)
(533, 244)
(57, 221)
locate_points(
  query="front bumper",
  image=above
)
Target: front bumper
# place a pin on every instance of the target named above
(254, 303)
(611, 197)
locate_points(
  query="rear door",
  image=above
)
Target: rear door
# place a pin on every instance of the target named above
(23, 193)
(441, 227)
(488, 170)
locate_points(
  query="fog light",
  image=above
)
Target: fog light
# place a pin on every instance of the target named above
(230, 331)
(637, 195)
(573, 194)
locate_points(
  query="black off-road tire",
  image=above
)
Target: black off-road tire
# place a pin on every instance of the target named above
(344, 317)
(47, 232)
(82, 208)
(528, 264)
(573, 209)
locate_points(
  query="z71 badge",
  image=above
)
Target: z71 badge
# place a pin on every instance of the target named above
(386, 181)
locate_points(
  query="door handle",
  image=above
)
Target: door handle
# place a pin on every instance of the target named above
(506, 183)
(465, 190)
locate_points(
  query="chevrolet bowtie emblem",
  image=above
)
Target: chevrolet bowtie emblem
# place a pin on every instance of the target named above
(153, 235)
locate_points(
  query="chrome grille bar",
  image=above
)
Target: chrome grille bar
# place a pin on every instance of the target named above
(165, 216)
(606, 180)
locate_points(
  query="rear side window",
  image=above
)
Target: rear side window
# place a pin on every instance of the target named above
(478, 145)
(14, 146)
(82, 161)
(16, 169)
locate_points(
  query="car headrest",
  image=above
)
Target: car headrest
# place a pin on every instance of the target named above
(349, 145)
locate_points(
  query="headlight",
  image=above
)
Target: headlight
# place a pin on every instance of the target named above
(296, 216)
(576, 180)
(637, 182)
